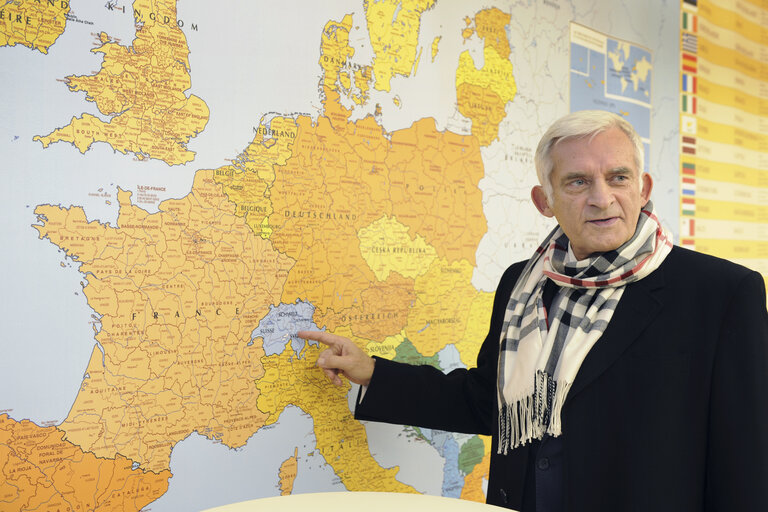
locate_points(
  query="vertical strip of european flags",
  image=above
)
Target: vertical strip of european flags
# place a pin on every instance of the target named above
(689, 47)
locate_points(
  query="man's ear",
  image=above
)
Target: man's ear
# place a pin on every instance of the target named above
(647, 182)
(539, 198)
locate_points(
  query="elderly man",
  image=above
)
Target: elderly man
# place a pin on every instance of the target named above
(619, 373)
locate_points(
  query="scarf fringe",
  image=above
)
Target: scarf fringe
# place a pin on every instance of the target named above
(531, 417)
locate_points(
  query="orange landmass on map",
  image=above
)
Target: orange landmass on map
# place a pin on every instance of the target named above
(340, 179)
(288, 471)
(342, 441)
(482, 94)
(484, 107)
(178, 293)
(142, 89)
(382, 310)
(42, 471)
(490, 25)
(33, 23)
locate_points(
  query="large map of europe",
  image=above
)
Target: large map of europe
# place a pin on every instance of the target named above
(326, 220)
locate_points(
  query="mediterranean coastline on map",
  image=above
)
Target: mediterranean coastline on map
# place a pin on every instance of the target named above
(197, 185)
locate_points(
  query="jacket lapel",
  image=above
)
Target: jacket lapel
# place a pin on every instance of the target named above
(639, 305)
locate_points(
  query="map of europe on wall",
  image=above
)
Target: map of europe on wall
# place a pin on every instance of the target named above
(186, 187)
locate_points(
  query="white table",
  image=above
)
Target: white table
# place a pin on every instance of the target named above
(356, 502)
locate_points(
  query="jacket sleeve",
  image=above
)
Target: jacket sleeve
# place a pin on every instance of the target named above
(737, 458)
(463, 400)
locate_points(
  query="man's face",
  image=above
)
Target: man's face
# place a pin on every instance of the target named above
(596, 195)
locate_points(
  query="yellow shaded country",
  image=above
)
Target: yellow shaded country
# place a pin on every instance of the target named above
(246, 182)
(725, 210)
(440, 314)
(40, 470)
(266, 229)
(334, 52)
(387, 247)
(733, 249)
(387, 348)
(718, 171)
(482, 94)
(729, 134)
(363, 77)
(393, 27)
(733, 21)
(287, 474)
(33, 23)
(496, 74)
(335, 60)
(178, 293)
(341, 440)
(490, 26)
(142, 90)
(473, 482)
(476, 328)
(435, 43)
(345, 79)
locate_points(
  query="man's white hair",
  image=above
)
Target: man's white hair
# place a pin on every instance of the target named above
(583, 123)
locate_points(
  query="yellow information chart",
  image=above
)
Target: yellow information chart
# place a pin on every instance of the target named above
(724, 130)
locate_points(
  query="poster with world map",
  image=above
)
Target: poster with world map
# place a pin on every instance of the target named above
(187, 185)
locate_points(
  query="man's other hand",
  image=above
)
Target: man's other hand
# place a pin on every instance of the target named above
(342, 357)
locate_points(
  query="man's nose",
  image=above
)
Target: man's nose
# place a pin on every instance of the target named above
(600, 195)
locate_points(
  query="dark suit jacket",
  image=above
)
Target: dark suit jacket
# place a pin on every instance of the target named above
(668, 412)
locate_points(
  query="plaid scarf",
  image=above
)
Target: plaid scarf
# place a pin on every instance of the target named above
(537, 364)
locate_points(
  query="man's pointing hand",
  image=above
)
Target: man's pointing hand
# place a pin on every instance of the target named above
(342, 357)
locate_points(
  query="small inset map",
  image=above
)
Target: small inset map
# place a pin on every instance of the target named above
(611, 74)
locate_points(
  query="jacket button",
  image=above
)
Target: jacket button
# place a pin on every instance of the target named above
(543, 463)
(503, 494)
